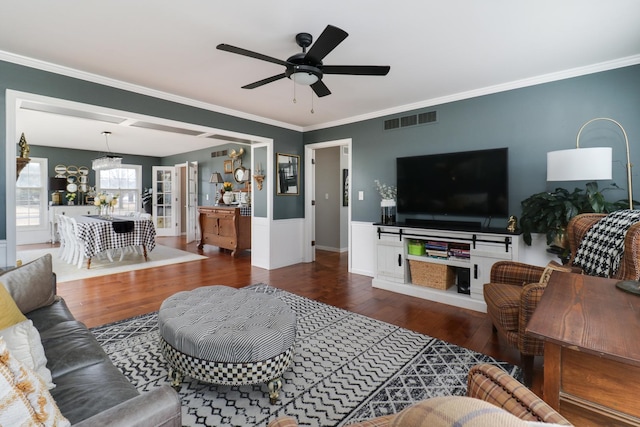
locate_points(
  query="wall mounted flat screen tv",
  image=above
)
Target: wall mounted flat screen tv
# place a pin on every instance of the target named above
(470, 183)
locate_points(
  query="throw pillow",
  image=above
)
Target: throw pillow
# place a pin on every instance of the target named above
(26, 400)
(23, 341)
(449, 411)
(550, 268)
(30, 285)
(10, 314)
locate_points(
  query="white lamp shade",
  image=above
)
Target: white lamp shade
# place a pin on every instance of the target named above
(579, 164)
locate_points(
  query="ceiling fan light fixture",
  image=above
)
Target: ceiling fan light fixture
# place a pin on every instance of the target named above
(305, 75)
(304, 78)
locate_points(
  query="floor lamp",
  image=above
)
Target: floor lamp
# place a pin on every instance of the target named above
(584, 164)
(216, 179)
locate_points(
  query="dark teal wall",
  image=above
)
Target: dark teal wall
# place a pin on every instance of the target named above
(207, 165)
(25, 79)
(63, 156)
(530, 121)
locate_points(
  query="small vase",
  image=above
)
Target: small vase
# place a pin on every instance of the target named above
(388, 211)
(227, 197)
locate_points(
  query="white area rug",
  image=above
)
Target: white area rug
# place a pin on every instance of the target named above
(101, 266)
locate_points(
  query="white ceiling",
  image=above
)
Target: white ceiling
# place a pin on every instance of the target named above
(438, 50)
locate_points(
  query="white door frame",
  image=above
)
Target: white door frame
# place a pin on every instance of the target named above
(309, 195)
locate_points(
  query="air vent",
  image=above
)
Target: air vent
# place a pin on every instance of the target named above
(428, 117)
(219, 153)
(408, 121)
(391, 124)
(411, 120)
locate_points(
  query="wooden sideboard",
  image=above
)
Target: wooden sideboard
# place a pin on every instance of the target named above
(591, 350)
(224, 227)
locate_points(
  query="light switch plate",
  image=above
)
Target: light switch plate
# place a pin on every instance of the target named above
(360, 195)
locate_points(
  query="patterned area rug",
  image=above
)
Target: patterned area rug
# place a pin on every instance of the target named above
(347, 367)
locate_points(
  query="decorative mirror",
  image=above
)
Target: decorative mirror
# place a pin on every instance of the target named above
(61, 171)
(72, 179)
(241, 174)
(72, 170)
(83, 171)
(288, 177)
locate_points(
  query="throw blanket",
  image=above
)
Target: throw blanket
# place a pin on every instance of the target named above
(600, 252)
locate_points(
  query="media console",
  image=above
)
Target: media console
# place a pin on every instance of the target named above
(450, 255)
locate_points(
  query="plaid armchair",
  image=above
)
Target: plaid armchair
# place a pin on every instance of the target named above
(516, 288)
(498, 399)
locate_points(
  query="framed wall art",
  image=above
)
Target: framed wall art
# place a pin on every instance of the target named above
(288, 177)
(345, 187)
(228, 166)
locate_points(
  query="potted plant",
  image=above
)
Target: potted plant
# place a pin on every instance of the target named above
(550, 212)
(71, 197)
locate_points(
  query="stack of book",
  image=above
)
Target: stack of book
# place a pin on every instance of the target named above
(459, 250)
(436, 249)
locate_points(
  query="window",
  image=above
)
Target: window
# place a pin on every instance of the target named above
(126, 182)
(31, 195)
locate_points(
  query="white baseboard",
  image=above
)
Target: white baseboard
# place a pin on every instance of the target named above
(330, 249)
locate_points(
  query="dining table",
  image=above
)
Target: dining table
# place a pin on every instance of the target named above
(105, 233)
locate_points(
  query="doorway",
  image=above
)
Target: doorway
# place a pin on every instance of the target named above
(15, 101)
(327, 198)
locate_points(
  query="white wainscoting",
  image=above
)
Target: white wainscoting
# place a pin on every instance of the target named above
(363, 248)
(287, 237)
(260, 242)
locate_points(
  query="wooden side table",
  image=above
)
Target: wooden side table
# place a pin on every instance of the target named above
(591, 331)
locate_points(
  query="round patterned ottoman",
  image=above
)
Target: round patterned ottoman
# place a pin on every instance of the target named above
(223, 335)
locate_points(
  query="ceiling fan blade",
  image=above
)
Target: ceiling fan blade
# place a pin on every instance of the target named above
(250, 54)
(264, 81)
(357, 70)
(320, 89)
(328, 40)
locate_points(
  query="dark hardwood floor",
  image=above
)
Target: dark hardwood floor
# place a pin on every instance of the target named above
(107, 299)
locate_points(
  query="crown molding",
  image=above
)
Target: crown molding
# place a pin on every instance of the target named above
(517, 84)
(95, 78)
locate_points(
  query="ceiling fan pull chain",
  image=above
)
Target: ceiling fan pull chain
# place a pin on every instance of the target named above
(312, 103)
(294, 91)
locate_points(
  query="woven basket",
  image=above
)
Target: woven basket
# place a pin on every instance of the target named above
(438, 276)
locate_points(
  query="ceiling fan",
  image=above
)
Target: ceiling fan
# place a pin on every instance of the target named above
(306, 68)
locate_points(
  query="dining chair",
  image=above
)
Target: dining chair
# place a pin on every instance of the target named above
(62, 238)
(68, 252)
